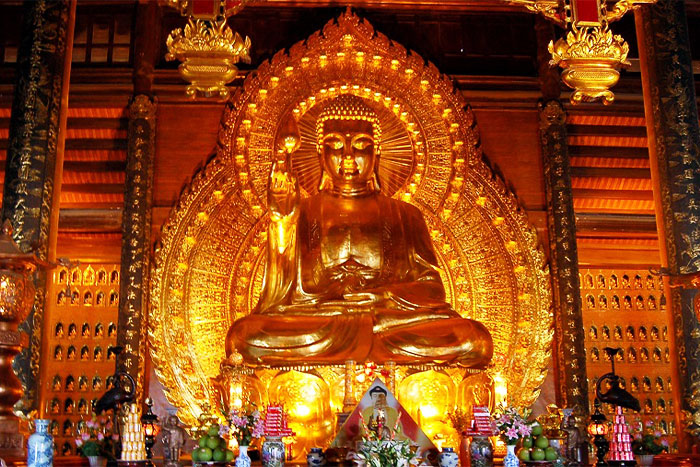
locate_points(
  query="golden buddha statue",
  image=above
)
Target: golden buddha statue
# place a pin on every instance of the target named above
(351, 274)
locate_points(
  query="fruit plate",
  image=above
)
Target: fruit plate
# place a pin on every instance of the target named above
(212, 463)
(540, 463)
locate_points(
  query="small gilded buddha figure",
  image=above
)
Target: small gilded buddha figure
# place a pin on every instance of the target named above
(351, 274)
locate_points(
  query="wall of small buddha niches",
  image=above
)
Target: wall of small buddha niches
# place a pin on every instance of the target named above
(82, 332)
(627, 309)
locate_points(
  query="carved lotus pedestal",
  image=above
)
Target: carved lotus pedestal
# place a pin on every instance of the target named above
(318, 398)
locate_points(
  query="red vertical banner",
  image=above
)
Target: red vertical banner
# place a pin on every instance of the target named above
(586, 12)
(204, 9)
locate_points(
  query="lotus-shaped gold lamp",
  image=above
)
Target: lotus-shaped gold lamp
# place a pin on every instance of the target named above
(209, 51)
(591, 58)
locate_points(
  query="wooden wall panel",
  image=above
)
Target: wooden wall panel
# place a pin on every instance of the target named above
(510, 141)
(186, 136)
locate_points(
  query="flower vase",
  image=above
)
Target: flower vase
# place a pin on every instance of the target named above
(464, 450)
(645, 459)
(511, 460)
(273, 452)
(315, 457)
(448, 458)
(481, 452)
(40, 445)
(242, 460)
(97, 461)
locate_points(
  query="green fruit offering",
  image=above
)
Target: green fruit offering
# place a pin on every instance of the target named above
(213, 442)
(203, 441)
(528, 442)
(205, 454)
(213, 430)
(219, 455)
(524, 455)
(195, 455)
(536, 429)
(550, 453)
(537, 454)
(229, 455)
(541, 442)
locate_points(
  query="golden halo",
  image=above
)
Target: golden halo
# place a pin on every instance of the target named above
(208, 267)
(396, 161)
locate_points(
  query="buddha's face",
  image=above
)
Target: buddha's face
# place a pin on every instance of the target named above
(348, 151)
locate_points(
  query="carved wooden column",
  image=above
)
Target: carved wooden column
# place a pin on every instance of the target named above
(674, 142)
(570, 361)
(138, 200)
(35, 164)
(136, 235)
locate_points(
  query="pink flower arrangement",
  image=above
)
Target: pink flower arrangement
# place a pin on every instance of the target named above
(512, 424)
(96, 438)
(647, 440)
(246, 425)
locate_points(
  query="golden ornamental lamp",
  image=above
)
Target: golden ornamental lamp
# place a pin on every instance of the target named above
(207, 47)
(590, 55)
(16, 300)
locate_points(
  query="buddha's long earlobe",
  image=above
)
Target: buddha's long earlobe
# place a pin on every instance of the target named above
(375, 181)
(326, 182)
(375, 175)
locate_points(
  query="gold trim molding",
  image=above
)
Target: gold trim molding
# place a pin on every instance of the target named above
(209, 266)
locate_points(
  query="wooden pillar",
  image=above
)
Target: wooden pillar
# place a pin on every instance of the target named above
(136, 235)
(569, 355)
(674, 141)
(138, 201)
(35, 159)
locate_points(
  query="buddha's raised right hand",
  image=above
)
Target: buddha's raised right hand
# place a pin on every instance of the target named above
(283, 192)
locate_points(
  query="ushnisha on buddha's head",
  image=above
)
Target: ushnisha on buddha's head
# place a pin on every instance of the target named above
(348, 143)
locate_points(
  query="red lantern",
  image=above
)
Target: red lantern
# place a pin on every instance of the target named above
(600, 429)
(149, 422)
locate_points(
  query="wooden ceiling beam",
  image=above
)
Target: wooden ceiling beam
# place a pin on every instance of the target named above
(90, 220)
(92, 205)
(589, 223)
(113, 144)
(612, 152)
(607, 130)
(92, 188)
(609, 172)
(95, 155)
(586, 193)
(94, 166)
(98, 123)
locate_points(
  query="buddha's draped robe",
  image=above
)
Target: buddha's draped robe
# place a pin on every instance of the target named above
(355, 278)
